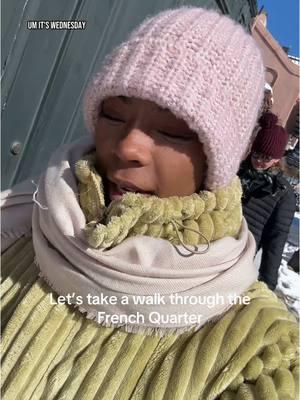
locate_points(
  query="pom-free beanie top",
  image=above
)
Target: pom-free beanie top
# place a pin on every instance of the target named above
(203, 67)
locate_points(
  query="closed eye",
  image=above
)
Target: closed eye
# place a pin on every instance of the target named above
(176, 137)
(110, 117)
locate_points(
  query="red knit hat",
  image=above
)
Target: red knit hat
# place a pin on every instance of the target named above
(272, 139)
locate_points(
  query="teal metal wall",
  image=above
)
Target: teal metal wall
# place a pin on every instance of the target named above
(45, 72)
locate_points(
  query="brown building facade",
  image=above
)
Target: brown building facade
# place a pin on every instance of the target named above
(281, 73)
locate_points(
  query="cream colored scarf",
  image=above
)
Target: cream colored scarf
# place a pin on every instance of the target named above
(140, 269)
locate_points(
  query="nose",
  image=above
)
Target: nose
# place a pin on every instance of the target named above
(134, 147)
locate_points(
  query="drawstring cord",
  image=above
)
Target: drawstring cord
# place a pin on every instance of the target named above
(174, 223)
(192, 230)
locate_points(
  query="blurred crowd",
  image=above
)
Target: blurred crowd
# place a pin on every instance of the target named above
(270, 180)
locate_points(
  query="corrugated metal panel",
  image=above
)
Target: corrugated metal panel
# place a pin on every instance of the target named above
(45, 72)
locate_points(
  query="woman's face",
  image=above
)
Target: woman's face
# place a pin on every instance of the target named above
(145, 149)
(260, 162)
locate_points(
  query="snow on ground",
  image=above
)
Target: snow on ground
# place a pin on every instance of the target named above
(288, 285)
(288, 288)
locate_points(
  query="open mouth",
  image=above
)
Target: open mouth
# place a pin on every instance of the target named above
(117, 190)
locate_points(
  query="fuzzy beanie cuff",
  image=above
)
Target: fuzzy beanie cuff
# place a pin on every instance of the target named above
(203, 67)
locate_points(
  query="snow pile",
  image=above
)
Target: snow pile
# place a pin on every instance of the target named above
(288, 288)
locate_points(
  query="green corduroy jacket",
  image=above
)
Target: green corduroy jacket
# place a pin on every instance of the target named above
(53, 352)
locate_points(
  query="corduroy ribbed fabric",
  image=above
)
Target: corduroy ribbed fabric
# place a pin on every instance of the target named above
(53, 352)
(203, 67)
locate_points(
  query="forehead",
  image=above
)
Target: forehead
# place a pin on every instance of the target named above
(150, 110)
(135, 102)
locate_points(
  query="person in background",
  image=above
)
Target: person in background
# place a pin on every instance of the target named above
(266, 107)
(268, 99)
(268, 199)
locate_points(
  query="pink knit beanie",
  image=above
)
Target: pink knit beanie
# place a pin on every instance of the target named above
(202, 66)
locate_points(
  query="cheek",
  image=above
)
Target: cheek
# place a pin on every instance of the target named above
(269, 164)
(253, 162)
(257, 163)
(104, 145)
(104, 137)
(181, 173)
(199, 163)
(265, 164)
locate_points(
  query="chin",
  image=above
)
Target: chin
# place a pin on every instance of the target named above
(257, 167)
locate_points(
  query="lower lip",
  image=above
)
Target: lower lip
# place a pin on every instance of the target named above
(115, 193)
(258, 164)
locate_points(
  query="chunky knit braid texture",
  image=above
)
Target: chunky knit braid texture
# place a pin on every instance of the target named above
(192, 220)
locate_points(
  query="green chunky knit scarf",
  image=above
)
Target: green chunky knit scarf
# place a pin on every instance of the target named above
(190, 220)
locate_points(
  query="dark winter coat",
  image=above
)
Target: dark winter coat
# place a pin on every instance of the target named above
(269, 204)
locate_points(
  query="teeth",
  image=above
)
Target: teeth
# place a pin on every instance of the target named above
(124, 190)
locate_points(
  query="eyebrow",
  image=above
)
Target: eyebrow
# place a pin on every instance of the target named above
(125, 99)
(128, 100)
